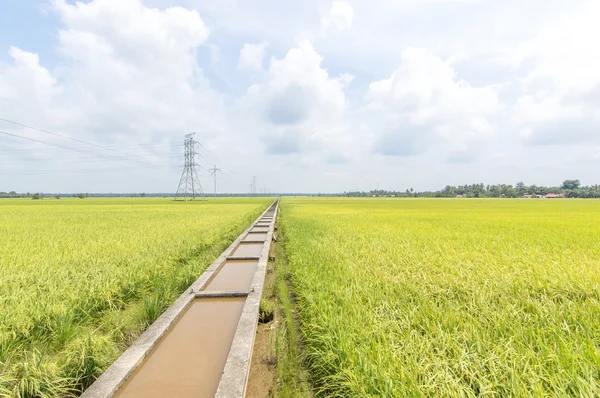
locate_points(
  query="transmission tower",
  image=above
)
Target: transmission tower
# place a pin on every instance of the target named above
(213, 171)
(189, 185)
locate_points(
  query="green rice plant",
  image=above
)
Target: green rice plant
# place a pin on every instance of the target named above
(63, 328)
(80, 280)
(447, 298)
(34, 377)
(291, 374)
(266, 311)
(86, 358)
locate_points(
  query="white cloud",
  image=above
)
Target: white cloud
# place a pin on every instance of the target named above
(560, 93)
(131, 70)
(299, 90)
(423, 97)
(339, 16)
(299, 105)
(251, 56)
(25, 85)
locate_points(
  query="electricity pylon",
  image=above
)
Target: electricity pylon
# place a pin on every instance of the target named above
(189, 185)
(213, 171)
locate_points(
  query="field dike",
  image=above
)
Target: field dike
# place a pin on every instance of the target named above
(292, 376)
(202, 344)
(278, 362)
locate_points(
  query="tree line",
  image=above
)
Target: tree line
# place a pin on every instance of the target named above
(569, 188)
(40, 195)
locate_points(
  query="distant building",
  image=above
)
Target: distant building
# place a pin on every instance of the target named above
(527, 196)
(460, 196)
(554, 196)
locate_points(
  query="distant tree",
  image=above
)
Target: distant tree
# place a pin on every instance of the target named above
(36, 196)
(510, 192)
(57, 196)
(495, 191)
(571, 184)
(521, 188)
(533, 189)
(448, 191)
(81, 196)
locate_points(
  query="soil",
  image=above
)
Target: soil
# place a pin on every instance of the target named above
(262, 369)
(264, 360)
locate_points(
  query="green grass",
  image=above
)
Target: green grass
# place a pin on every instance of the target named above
(81, 279)
(292, 379)
(447, 298)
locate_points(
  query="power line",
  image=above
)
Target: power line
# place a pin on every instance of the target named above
(107, 148)
(84, 151)
(72, 171)
(20, 162)
(66, 137)
(16, 151)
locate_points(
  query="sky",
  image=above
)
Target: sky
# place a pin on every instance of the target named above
(306, 96)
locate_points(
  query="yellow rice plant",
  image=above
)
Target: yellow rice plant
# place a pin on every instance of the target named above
(447, 298)
(81, 279)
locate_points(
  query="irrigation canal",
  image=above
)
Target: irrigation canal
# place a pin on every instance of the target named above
(201, 346)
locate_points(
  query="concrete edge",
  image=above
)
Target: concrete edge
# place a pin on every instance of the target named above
(247, 258)
(115, 376)
(237, 367)
(220, 293)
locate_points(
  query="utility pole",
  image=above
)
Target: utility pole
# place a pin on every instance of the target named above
(254, 185)
(189, 184)
(213, 171)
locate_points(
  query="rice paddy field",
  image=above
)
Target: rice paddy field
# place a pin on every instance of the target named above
(81, 279)
(447, 298)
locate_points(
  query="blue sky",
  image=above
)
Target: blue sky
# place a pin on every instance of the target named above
(311, 96)
(28, 24)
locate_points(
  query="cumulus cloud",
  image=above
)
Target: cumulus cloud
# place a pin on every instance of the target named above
(126, 70)
(26, 85)
(251, 56)
(297, 97)
(300, 107)
(299, 90)
(339, 16)
(560, 93)
(423, 100)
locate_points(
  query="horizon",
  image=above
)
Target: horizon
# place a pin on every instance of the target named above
(566, 186)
